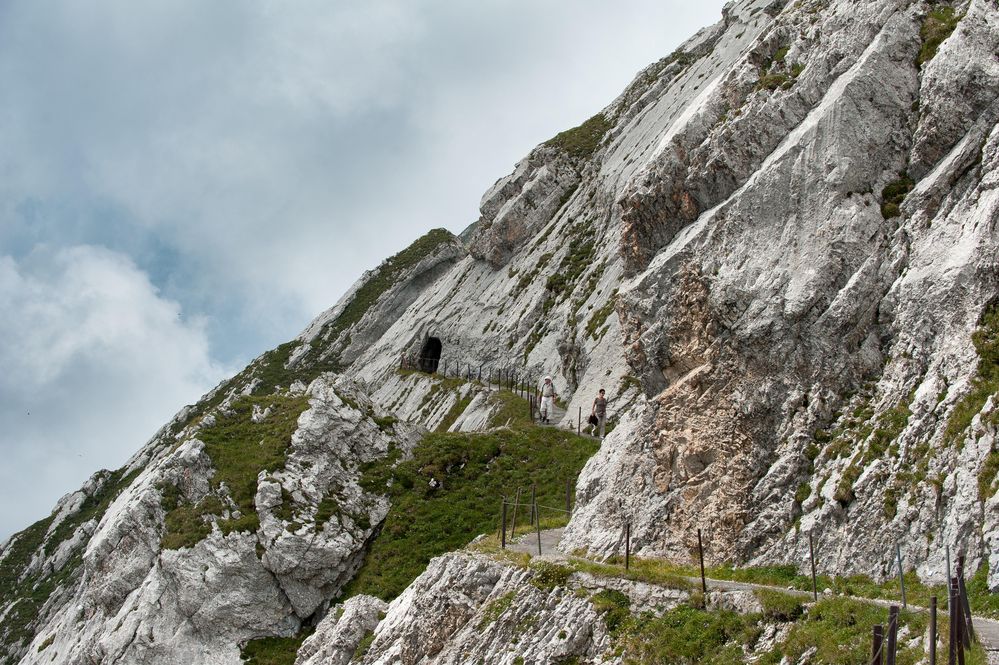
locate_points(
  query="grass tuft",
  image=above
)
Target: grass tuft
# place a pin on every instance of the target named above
(937, 27)
(273, 650)
(582, 141)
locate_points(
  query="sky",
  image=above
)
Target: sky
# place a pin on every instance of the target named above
(184, 185)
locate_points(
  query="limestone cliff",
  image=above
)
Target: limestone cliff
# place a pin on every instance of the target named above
(777, 251)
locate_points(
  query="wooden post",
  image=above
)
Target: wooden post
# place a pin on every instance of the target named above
(811, 556)
(568, 495)
(700, 553)
(513, 522)
(627, 546)
(534, 503)
(537, 522)
(959, 630)
(579, 421)
(947, 551)
(892, 645)
(952, 638)
(503, 537)
(933, 630)
(480, 372)
(964, 605)
(877, 644)
(901, 577)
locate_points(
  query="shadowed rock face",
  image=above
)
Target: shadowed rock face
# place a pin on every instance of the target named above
(782, 341)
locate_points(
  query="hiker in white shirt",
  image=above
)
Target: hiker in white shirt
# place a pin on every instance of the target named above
(548, 396)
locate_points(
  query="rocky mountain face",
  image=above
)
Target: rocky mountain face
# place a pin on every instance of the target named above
(776, 250)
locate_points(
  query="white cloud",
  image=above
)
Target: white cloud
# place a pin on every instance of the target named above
(94, 361)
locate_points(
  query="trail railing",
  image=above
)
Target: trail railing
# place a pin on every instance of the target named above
(501, 376)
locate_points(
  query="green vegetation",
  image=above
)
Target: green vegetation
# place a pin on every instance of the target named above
(239, 449)
(548, 575)
(776, 73)
(582, 141)
(496, 608)
(34, 590)
(93, 507)
(861, 429)
(582, 249)
(937, 26)
(985, 384)
(654, 571)
(686, 635)
(599, 317)
(186, 524)
(981, 601)
(778, 606)
(456, 410)
(674, 575)
(614, 607)
(840, 628)
(273, 650)
(802, 493)
(450, 491)
(893, 194)
(363, 645)
(271, 368)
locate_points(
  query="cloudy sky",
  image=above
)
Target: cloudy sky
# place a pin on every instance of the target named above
(183, 185)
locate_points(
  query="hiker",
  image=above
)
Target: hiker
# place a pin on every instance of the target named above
(598, 414)
(548, 396)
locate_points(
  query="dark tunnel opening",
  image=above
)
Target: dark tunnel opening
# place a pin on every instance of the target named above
(430, 356)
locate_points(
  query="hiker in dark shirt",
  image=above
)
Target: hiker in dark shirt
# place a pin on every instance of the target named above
(599, 411)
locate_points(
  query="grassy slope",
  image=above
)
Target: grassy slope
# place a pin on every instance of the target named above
(472, 473)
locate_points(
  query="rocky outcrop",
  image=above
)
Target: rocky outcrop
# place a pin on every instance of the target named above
(468, 608)
(518, 206)
(162, 583)
(338, 637)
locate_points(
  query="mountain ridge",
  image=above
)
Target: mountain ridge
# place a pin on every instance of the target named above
(776, 251)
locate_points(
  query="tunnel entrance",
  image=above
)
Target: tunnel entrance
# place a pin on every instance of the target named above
(430, 356)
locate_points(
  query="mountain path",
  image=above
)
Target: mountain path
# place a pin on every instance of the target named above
(986, 629)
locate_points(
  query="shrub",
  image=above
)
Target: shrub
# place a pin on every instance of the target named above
(893, 194)
(840, 630)
(687, 635)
